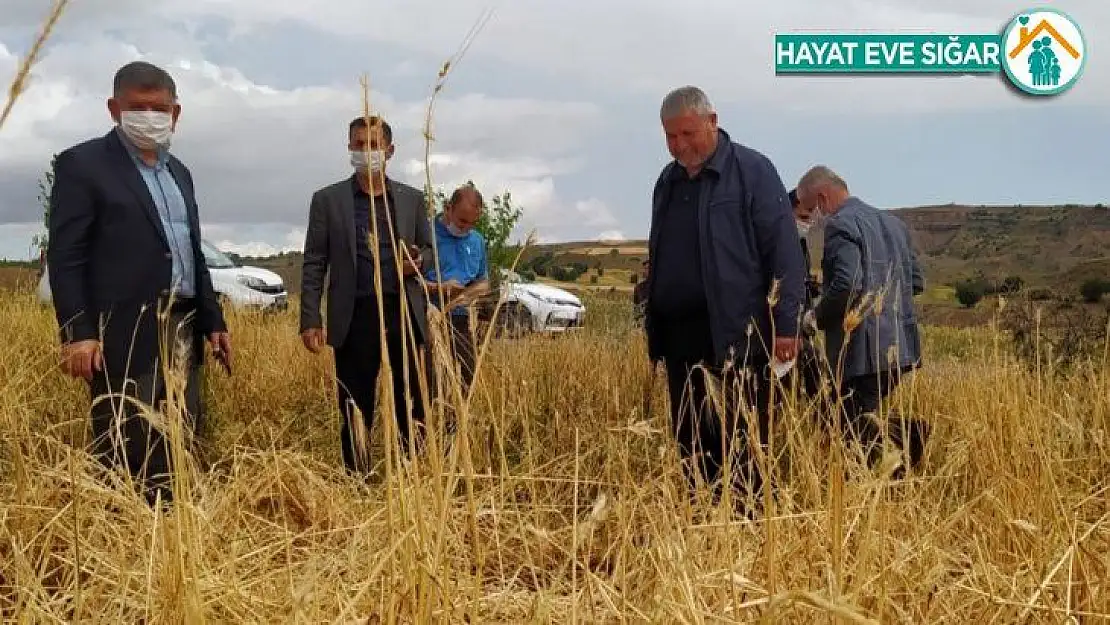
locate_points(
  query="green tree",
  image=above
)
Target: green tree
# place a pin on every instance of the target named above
(1092, 290)
(46, 186)
(1012, 284)
(969, 292)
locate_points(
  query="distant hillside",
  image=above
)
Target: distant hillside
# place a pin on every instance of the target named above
(1046, 246)
(1058, 247)
(1040, 244)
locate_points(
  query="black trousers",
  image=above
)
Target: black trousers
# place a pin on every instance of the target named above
(862, 397)
(357, 365)
(706, 429)
(464, 349)
(124, 436)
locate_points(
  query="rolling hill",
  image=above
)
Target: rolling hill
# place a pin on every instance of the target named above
(1046, 246)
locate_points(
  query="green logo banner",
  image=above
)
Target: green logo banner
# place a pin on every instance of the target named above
(847, 53)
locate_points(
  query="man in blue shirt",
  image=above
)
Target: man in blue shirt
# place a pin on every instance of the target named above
(463, 273)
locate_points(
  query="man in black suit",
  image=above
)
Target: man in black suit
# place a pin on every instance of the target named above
(342, 217)
(124, 247)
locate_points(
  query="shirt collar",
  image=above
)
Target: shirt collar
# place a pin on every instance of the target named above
(716, 161)
(163, 153)
(358, 188)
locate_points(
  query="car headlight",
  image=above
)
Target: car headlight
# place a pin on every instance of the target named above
(251, 282)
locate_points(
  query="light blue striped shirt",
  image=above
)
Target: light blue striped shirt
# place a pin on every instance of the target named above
(170, 203)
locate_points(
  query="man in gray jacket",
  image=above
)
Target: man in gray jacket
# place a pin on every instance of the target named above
(870, 277)
(341, 219)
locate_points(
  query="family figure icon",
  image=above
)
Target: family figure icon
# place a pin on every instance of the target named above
(1053, 49)
(1044, 67)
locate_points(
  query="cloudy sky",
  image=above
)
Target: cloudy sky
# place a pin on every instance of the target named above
(556, 101)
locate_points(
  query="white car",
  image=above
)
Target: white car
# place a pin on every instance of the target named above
(237, 285)
(534, 307)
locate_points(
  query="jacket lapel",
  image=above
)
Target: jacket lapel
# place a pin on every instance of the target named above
(131, 177)
(345, 201)
(403, 211)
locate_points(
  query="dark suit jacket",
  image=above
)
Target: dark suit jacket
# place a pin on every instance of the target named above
(330, 245)
(109, 260)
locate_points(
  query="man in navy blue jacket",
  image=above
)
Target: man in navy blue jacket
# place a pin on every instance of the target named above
(124, 248)
(726, 285)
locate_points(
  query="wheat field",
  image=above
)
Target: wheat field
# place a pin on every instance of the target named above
(559, 501)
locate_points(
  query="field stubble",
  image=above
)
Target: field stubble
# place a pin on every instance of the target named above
(559, 501)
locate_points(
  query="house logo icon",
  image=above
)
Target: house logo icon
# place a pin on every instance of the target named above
(1044, 51)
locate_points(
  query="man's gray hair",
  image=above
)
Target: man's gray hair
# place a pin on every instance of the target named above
(818, 176)
(144, 77)
(688, 98)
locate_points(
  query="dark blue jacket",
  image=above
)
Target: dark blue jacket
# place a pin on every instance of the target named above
(748, 240)
(108, 257)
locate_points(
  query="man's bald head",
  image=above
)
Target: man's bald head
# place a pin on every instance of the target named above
(463, 208)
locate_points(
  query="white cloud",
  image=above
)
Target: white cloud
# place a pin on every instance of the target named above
(257, 152)
(593, 212)
(611, 236)
(650, 47)
(259, 147)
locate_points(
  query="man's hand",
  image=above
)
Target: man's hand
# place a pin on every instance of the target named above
(451, 288)
(314, 339)
(786, 348)
(81, 358)
(221, 348)
(413, 261)
(809, 322)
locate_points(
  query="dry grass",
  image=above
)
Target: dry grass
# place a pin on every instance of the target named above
(559, 502)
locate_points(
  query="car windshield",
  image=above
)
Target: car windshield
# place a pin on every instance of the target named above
(214, 258)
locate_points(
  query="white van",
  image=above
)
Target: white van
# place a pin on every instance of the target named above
(240, 286)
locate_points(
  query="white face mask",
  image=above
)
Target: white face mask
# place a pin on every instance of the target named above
(148, 130)
(374, 164)
(453, 229)
(803, 227)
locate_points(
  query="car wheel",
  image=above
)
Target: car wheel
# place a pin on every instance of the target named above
(513, 321)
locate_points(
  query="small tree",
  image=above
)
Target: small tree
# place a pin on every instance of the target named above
(1011, 284)
(1092, 290)
(46, 187)
(969, 292)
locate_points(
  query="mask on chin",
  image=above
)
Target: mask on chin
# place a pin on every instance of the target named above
(453, 229)
(803, 227)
